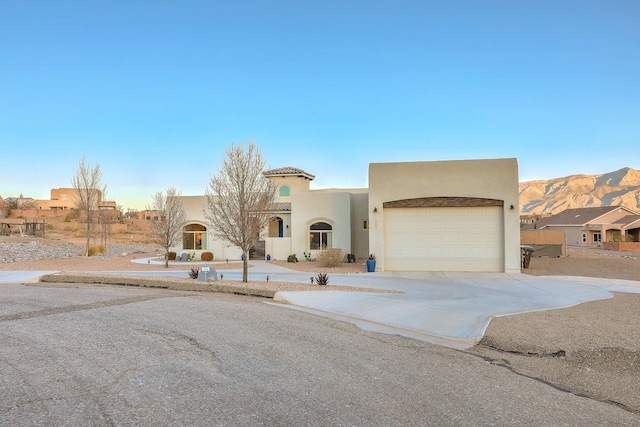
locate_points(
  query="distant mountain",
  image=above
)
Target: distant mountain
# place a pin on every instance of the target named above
(621, 187)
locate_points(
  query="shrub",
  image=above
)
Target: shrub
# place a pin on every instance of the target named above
(171, 256)
(96, 250)
(322, 279)
(351, 258)
(307, 255)
(292, 258)
(49, 227)
(330, 258)
(71, 216)
(193, 273)
(206, 256)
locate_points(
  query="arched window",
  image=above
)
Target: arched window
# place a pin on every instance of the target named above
(284, 191)
(320, 236)
(194, 237)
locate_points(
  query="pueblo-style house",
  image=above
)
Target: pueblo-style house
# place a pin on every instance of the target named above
(414, 216)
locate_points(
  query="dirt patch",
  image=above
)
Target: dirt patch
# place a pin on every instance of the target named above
(357, 267)
(591, 349)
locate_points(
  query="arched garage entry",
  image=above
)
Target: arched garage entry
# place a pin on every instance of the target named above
(444, 234)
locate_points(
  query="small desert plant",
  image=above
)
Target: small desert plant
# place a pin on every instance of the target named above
(322, 279)
(171, 256)
(292, 258)
(49, 227)
(206, 256)
(96, 250)
(330, 258)
(372, 257)
(71, 216)
(191, 256)
(351, 258)
(193, 273)
(307, 255)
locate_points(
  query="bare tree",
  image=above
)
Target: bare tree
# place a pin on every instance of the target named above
(87, 181)
(166, 231)
(239, 198)
(105, 220)
(16, 204)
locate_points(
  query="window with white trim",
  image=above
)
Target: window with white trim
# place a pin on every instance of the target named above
(320, 236)
(194, 237)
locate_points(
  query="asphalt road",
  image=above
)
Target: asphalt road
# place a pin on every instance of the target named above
(99, 355)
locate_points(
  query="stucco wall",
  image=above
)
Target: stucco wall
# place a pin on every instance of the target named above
(490, 178)
(308, 208)
(295, 184)
(359, 214)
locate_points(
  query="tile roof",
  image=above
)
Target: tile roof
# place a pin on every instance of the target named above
(281, 207)
(289, 171)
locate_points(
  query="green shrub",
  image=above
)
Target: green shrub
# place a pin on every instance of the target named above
(292, 258)
(206, 256)
(330, 258)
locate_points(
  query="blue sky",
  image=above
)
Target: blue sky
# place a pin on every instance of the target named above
(153, 91)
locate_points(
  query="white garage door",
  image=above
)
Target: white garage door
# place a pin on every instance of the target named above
(444, 239)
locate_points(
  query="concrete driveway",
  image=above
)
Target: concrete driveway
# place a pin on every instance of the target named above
(452, 309)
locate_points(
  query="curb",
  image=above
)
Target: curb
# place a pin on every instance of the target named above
(158, 282)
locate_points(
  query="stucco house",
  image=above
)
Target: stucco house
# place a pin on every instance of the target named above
(594, 226)
(415, 216)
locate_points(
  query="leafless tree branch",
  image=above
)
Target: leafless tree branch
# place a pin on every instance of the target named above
(87, 182)
(239, 199)
(167, 230)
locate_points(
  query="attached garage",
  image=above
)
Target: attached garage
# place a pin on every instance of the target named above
(444, 238)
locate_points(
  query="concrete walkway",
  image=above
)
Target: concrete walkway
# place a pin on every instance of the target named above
(453, 309)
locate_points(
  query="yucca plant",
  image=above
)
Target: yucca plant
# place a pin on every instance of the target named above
(322, 279)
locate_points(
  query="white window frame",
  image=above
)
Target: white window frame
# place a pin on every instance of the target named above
(193, 234)
(328, 236)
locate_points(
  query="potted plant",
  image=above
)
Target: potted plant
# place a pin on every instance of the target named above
(371, 263)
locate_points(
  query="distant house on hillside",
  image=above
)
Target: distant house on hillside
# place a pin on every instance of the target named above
(593, 226)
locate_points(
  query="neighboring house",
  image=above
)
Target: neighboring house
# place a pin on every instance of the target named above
(593, 226)
(65, 199)
(415, 216)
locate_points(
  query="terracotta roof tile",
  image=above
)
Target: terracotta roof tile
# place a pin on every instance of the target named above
(288, 171)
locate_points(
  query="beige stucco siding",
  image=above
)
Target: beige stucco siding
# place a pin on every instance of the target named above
(332, 208)
(485, 179)
(359, 234)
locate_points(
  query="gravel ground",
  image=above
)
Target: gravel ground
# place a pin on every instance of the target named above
(41, 255)
(592, 348)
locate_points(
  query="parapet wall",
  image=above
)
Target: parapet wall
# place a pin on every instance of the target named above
(622, 246)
